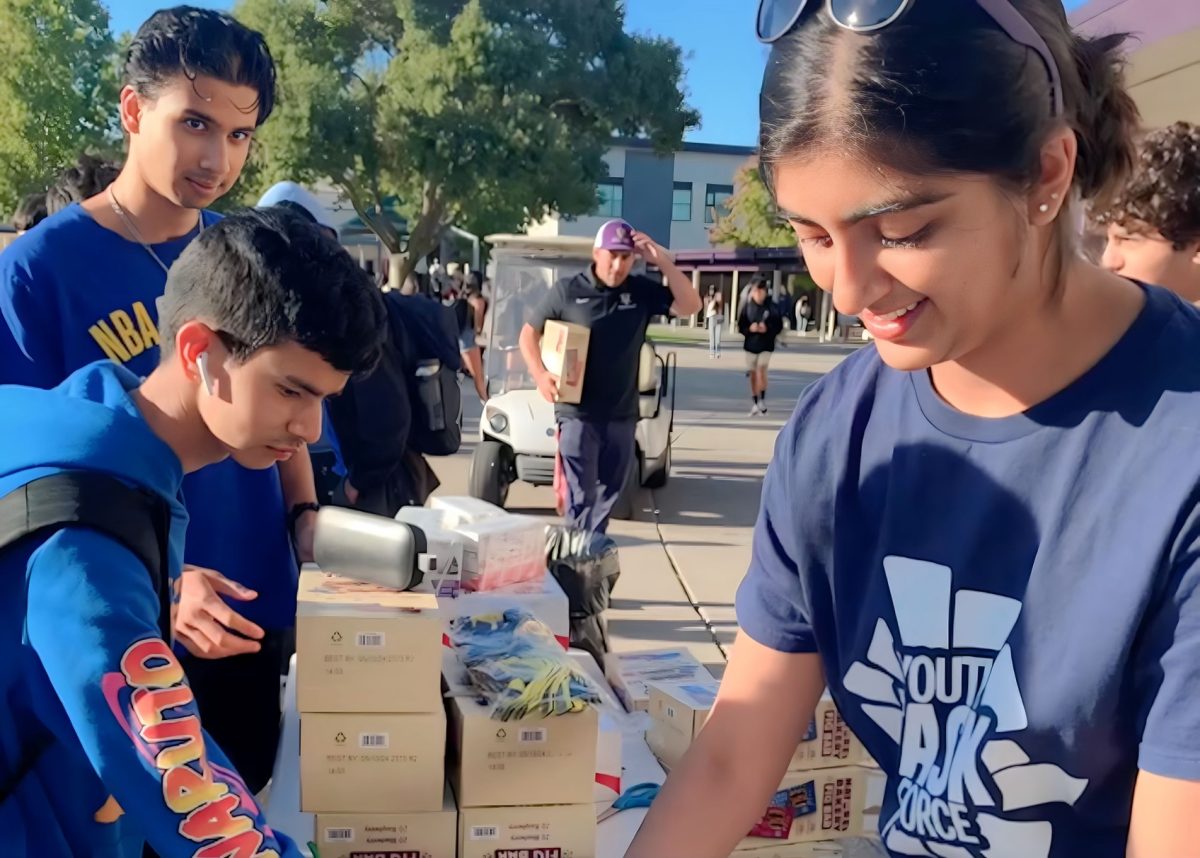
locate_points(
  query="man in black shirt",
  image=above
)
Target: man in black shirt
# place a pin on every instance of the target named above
(596, 437)
(760, 323)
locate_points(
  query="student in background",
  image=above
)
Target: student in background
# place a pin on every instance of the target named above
(1154, 223)
(760, 323)
(714, 318)
(85, 285)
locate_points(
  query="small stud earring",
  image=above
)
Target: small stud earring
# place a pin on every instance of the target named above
(1043, 208)
(1054, 196)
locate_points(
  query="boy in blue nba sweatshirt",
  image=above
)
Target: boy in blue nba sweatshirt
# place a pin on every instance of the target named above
(101, 745)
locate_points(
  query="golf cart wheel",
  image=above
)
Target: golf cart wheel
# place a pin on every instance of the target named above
(490, 472)
(623, 509)
(658, 479)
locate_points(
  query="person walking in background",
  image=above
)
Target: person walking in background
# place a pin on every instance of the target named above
(760, 322)
(596, 440)
(714, 318)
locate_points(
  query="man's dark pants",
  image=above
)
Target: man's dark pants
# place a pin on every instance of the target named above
(596, 458)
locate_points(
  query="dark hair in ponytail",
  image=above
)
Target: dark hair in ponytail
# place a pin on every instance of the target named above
(946, 90)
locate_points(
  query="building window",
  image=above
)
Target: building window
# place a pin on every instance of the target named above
(611, 195)
(681, 202)
(716, 197)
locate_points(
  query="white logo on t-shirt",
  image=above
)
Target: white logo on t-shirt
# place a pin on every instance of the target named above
(945, 694)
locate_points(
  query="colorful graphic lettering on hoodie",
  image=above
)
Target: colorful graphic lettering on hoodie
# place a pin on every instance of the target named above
(84, 675)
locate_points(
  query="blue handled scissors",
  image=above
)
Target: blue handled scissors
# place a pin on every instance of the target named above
(636, 796)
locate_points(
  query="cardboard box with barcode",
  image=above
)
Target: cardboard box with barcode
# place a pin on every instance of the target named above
(824, 804)
(443, 545)
(365, 648)
(679, 710)
(502, 551)
(432, 834)
(564, 354)
(561, 831)
(544, 600)
(377, 762)
(512, 763)
(630, 673)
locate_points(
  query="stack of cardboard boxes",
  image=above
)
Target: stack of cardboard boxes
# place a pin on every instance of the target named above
(526, 787)
(372, 721)
(832, 788)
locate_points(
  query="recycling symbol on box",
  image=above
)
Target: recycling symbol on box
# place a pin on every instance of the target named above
(336, 637)
(340, 738)
(501, 734)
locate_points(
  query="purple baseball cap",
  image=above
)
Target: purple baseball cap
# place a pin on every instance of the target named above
(615, 235)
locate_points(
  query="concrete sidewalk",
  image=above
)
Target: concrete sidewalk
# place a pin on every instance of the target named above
(688, 548)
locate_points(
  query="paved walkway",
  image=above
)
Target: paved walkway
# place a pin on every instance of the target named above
(688, 548)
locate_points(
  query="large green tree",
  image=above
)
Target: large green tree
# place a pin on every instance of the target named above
(751, 219)
(482, 113)
(58, 92)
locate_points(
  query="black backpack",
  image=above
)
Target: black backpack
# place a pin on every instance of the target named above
(137, 518)
(423, 350)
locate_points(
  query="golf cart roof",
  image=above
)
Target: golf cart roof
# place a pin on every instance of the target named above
(545, 245)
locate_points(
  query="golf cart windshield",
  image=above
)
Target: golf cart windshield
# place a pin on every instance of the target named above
(518, 286)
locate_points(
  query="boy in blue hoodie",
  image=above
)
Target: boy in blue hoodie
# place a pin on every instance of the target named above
(84, 285)
(101, 744)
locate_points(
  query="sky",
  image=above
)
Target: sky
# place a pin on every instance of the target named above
(724, 60)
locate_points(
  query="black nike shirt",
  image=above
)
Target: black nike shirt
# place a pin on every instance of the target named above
(618, 318)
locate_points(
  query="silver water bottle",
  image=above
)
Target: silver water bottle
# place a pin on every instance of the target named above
(371, 548)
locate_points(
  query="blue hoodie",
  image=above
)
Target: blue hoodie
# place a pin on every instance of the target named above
(72, 292)
(82, 665)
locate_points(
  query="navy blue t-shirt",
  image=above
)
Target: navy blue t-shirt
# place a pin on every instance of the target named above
(618, 318)
(73, 292)
(1007, 610)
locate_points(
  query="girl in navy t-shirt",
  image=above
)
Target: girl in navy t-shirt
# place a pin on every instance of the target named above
(981, 533)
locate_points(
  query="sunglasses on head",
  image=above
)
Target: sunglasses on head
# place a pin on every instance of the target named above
(777, 18)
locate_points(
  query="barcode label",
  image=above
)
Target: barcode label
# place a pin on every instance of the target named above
(485, 832)
(372, 740)
(532, 735)
(371, 639)
(339, 835)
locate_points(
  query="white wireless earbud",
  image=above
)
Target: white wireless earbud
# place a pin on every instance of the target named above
(202, 366)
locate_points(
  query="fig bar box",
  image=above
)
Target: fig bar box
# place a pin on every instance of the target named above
(431, 834)
(361, 647)
(553, 831)
(829, 742)
(564, 354)
(826, 804)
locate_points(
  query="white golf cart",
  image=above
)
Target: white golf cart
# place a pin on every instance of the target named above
(518, 430)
